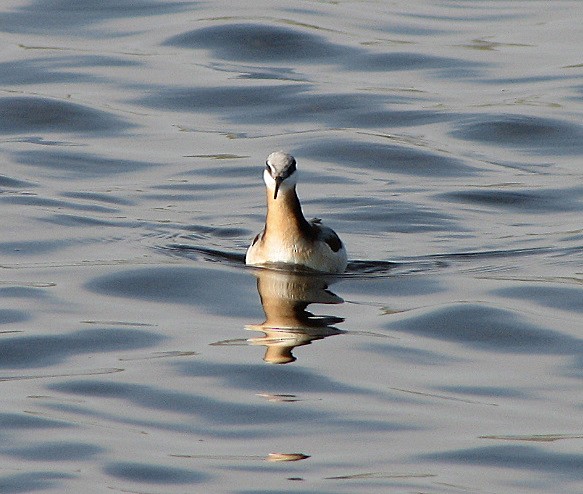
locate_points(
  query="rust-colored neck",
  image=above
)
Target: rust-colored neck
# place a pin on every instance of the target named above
(284, 215)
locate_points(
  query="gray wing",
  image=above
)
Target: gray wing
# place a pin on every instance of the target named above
(326, 234)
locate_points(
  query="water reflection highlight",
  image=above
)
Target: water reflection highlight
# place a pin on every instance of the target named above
(285, 296)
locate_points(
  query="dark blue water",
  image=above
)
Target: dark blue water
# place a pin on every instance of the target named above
(443, 141)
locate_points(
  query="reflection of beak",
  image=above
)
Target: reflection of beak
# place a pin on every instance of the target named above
(278, 181)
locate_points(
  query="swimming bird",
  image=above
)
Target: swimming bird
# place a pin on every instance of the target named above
(288, 237)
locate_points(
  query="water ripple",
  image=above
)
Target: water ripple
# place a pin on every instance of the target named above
(260, 43)
(541, 136)
(27, 114)
(23, 352)
(47, 16)
(488, 328)
(180, 285)
(144, 473)
(520, 457)
(77, 165)
(539, 201)
(386, 158)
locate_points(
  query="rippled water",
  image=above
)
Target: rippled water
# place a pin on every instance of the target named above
(442, 140)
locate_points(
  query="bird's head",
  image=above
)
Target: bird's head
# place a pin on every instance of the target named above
(280, 172)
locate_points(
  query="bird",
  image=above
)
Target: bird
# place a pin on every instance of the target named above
(288, 238)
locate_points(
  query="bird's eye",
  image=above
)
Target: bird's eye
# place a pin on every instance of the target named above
(267, 167)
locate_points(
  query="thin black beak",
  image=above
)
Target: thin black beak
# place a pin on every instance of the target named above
(278, 181)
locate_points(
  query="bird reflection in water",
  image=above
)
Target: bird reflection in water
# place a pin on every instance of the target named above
(285, 296)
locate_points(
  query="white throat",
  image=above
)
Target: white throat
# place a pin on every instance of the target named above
(288, 184)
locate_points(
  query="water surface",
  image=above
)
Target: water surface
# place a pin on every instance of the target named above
(443, 141)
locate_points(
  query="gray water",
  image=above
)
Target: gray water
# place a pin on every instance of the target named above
(443, 141)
